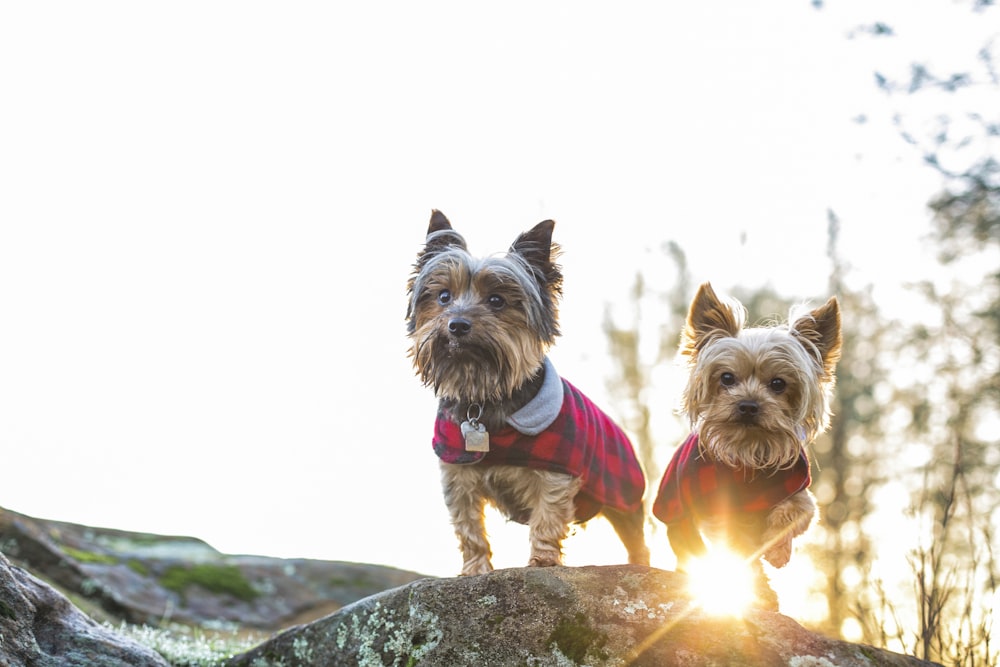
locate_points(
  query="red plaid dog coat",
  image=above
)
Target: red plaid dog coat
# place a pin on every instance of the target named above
(693, 484)
(582, 442)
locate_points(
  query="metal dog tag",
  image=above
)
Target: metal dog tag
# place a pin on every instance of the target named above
(477, 438)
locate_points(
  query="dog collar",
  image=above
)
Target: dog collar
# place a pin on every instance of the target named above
(542, 410)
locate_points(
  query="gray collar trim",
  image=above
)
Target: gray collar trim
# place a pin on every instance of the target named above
(543, 409)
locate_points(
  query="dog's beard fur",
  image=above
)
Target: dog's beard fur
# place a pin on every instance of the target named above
(758, 395)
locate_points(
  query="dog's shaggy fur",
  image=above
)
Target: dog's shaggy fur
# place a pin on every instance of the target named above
(756, 397)
(480, 328)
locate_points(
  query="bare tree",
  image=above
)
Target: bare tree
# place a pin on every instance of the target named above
(632, 375)
(946, 367)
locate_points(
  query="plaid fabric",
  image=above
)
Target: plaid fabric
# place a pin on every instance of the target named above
(694, 484)
(582, 442)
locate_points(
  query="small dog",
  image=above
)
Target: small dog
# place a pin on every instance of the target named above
(510, 431)
(756, 397)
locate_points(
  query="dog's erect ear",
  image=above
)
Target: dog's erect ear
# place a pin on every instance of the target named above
(535, 245)
(440, 233)
(709, 319)
(537, 248)
(438, 222)
(821, 329)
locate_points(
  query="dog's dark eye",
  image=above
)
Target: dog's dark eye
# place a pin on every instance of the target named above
(778, 385)
(728, 379)
(444, 298)
(496, 301)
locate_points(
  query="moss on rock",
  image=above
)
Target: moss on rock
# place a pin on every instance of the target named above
(214, 578)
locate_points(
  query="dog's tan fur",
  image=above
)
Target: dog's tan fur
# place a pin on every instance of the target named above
(756, 396)
(479, 331)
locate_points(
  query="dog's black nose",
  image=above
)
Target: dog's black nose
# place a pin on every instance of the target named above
(748, 408)
(459, 326)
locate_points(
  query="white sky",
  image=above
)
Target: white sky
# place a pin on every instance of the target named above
(209, 210)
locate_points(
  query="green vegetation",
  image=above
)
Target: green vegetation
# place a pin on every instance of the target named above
(575, 639)
(215, 578)
(138, 567)
(360, 581)
(81, 556)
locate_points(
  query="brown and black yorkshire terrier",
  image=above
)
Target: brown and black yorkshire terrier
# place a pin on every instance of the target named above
(756, 398)
(510, 431)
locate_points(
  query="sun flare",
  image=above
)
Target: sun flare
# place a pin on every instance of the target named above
(721, 583)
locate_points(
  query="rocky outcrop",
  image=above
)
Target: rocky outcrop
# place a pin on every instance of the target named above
(143, 578)
(597, 616)
(39, 627)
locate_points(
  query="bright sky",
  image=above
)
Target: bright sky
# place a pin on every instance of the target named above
(209, 210)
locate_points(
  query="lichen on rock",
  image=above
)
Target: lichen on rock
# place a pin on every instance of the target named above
(599, 616)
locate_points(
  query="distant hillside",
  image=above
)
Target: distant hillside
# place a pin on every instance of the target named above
(141, 578)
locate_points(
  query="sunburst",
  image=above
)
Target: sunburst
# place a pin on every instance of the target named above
(721, 583)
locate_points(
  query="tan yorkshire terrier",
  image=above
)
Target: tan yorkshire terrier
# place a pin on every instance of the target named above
(510, 431)
(756, 398)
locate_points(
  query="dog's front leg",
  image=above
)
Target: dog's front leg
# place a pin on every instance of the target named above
(464, 496)
(686, 542)
(552, 510)
(789, 519)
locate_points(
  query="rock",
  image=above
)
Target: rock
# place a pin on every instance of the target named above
(39, 627)
(560, 616)
(143, 578)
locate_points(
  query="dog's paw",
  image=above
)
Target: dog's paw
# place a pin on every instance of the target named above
(639, 556)
(545, 560)
(779, 553)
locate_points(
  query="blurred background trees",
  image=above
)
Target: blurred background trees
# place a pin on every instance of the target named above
(916, 436)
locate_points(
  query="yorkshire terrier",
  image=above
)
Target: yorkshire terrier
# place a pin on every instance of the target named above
(756, 398)
(510, 431)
